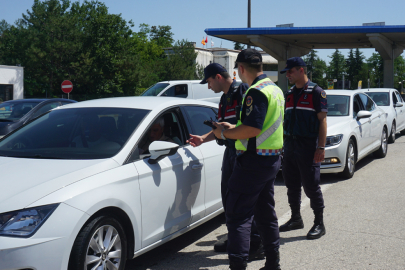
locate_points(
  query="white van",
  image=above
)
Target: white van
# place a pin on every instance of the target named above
(184, 89)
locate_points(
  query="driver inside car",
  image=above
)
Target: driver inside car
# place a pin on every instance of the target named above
(155, 133)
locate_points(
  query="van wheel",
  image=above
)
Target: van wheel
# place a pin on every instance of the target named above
(391, 139)
(350, 166)
(382, 151)
(101, 244)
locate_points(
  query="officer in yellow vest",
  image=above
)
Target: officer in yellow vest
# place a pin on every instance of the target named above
(259, 140)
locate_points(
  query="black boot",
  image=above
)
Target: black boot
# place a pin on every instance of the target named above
(272, 260)
(319, 228)
(221, 245)
(295, 222)
(237, 265)
(256, 251)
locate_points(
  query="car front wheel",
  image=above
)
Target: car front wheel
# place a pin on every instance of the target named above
(101, 245)
(391, 139)
(350, 166)
(382, 151)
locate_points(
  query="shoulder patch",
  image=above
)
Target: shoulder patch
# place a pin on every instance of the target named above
(249, 101)
(323, 94)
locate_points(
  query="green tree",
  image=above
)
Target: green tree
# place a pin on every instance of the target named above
(316, 68)
(376, 70)
(399, 70)
(238, 46)
(337, 65)
(355, 65)
(181, 64)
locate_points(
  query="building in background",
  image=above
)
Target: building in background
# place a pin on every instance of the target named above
(227, 58)
(11, 83)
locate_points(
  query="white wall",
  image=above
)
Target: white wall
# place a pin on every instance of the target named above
(15, 76)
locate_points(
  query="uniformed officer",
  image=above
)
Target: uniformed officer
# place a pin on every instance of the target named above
(219, 80)
(304, 145)
(259, 140)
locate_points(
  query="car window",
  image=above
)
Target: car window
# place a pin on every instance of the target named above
(394, 99)
(166, 127)
(45, 108)
(338, 105)
(399, 98)
(196, 116)
(356, 105)
(180, 90)
(367, 102)
(155, 89)
(14, 111)
(380, 98)
(76, 133)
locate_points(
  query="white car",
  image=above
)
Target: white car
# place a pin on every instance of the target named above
(356, 128)
(79, 191)
(392, 103)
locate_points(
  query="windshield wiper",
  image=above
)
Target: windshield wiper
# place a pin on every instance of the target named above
(6, 120)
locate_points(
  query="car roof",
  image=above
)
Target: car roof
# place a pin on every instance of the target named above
(341, 92)
(378, 90)
(138, 102)
(39, 100)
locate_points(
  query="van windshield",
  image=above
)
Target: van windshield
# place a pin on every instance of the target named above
(155, 89)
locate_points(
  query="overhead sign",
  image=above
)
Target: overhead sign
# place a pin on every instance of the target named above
(67, 86)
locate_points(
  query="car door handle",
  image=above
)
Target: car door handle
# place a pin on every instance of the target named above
(197, 166)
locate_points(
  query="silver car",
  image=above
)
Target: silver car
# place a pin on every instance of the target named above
(392, 103)
(356, 128)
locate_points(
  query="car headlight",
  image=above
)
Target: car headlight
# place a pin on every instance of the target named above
(333, 140)
(25, 222)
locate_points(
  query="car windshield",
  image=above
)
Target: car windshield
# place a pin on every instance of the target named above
(380, 98)
(76, 133)
(338, 105)
(155, 89)
(10, 111)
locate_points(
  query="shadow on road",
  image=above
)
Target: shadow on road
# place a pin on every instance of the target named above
(170, 251)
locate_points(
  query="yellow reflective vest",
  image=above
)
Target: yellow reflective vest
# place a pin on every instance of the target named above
(270, 140)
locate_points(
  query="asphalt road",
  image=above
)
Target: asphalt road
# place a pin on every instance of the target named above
(364, 219)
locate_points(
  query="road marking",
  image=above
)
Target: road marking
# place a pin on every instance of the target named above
(305, 202)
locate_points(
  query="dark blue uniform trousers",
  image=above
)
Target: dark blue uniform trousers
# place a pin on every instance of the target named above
(299, 169)
(251, 193)
(228, 164)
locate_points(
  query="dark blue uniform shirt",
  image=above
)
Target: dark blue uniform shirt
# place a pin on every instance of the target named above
(227, 106)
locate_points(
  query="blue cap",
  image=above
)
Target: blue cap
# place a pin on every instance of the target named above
(293, 62)
(212, 70)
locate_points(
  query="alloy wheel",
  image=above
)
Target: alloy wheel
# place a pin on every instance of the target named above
(104, 249)
(393, 131)
(384, 141)
(350, 158)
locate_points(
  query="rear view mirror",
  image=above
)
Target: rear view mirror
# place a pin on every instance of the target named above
(159, 150)
(363, 114)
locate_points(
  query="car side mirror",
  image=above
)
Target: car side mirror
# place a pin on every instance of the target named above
(399, 104)
(363, 114)
(159, 150)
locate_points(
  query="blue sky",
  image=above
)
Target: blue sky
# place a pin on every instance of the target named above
(189, 18)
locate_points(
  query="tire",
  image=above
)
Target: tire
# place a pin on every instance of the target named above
(350, 166)
(391, 138)
(382, 151)
(403, 132)
(88, 252)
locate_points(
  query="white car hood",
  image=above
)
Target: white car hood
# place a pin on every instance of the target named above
(337, 124)
(24, 181)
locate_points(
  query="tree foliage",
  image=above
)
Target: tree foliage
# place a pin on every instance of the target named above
(316, 68)
(81, 41)
(337, 65)
(238, 46)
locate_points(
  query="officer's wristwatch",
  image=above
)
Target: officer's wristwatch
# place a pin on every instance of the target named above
(320, 147)
(222, 134)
